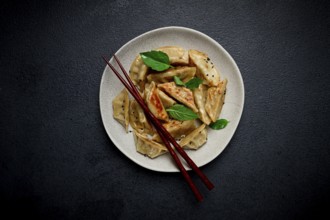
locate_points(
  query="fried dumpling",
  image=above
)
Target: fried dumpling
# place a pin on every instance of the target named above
(177, 129)
(185, 73)
(195, 139)
(177, 55)
(166, 100)
(205, 68)
(138, 120)
(148, 147)
(138, 72)
(200, 99)
(181, 94)
(120, 105)
(215, 99)
(154, 102)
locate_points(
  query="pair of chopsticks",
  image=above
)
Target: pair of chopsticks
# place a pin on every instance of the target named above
(164, 134)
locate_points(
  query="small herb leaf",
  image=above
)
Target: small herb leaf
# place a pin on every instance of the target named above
(181, 112)
(178, 81)
(193, 83)
(219, 124)
(156, 60)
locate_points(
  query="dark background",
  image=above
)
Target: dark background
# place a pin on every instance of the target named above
(57, 162)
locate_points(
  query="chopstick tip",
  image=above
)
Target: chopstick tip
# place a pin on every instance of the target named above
(103, 57)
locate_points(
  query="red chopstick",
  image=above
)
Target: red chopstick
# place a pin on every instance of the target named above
(163, 133)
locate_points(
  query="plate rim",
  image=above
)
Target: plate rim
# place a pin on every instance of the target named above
(177, 28)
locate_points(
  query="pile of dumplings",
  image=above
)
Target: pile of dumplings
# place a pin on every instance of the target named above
(160, 92)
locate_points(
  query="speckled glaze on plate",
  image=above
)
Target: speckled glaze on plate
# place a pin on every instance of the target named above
(188, 39)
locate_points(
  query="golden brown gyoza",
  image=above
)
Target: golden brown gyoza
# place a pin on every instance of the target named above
(154, 102)
(181, 94)
(200, 100)
(120, 105)
(138, 120)
(185, 73)
(177, 55)
(205, 68)
(195, 139)
(177, 129)
(215, 99)
(138, 71)
(160, 92)
(166, 100)
(148, 147)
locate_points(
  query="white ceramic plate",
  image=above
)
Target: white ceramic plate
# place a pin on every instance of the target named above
(188, 39)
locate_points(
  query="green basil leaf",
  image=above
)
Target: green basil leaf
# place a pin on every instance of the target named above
(193, 83)
(178, 81)
(181, 112)
(219, 124)
(156, 60)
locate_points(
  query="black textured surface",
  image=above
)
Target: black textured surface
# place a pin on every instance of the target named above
(56, 161)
